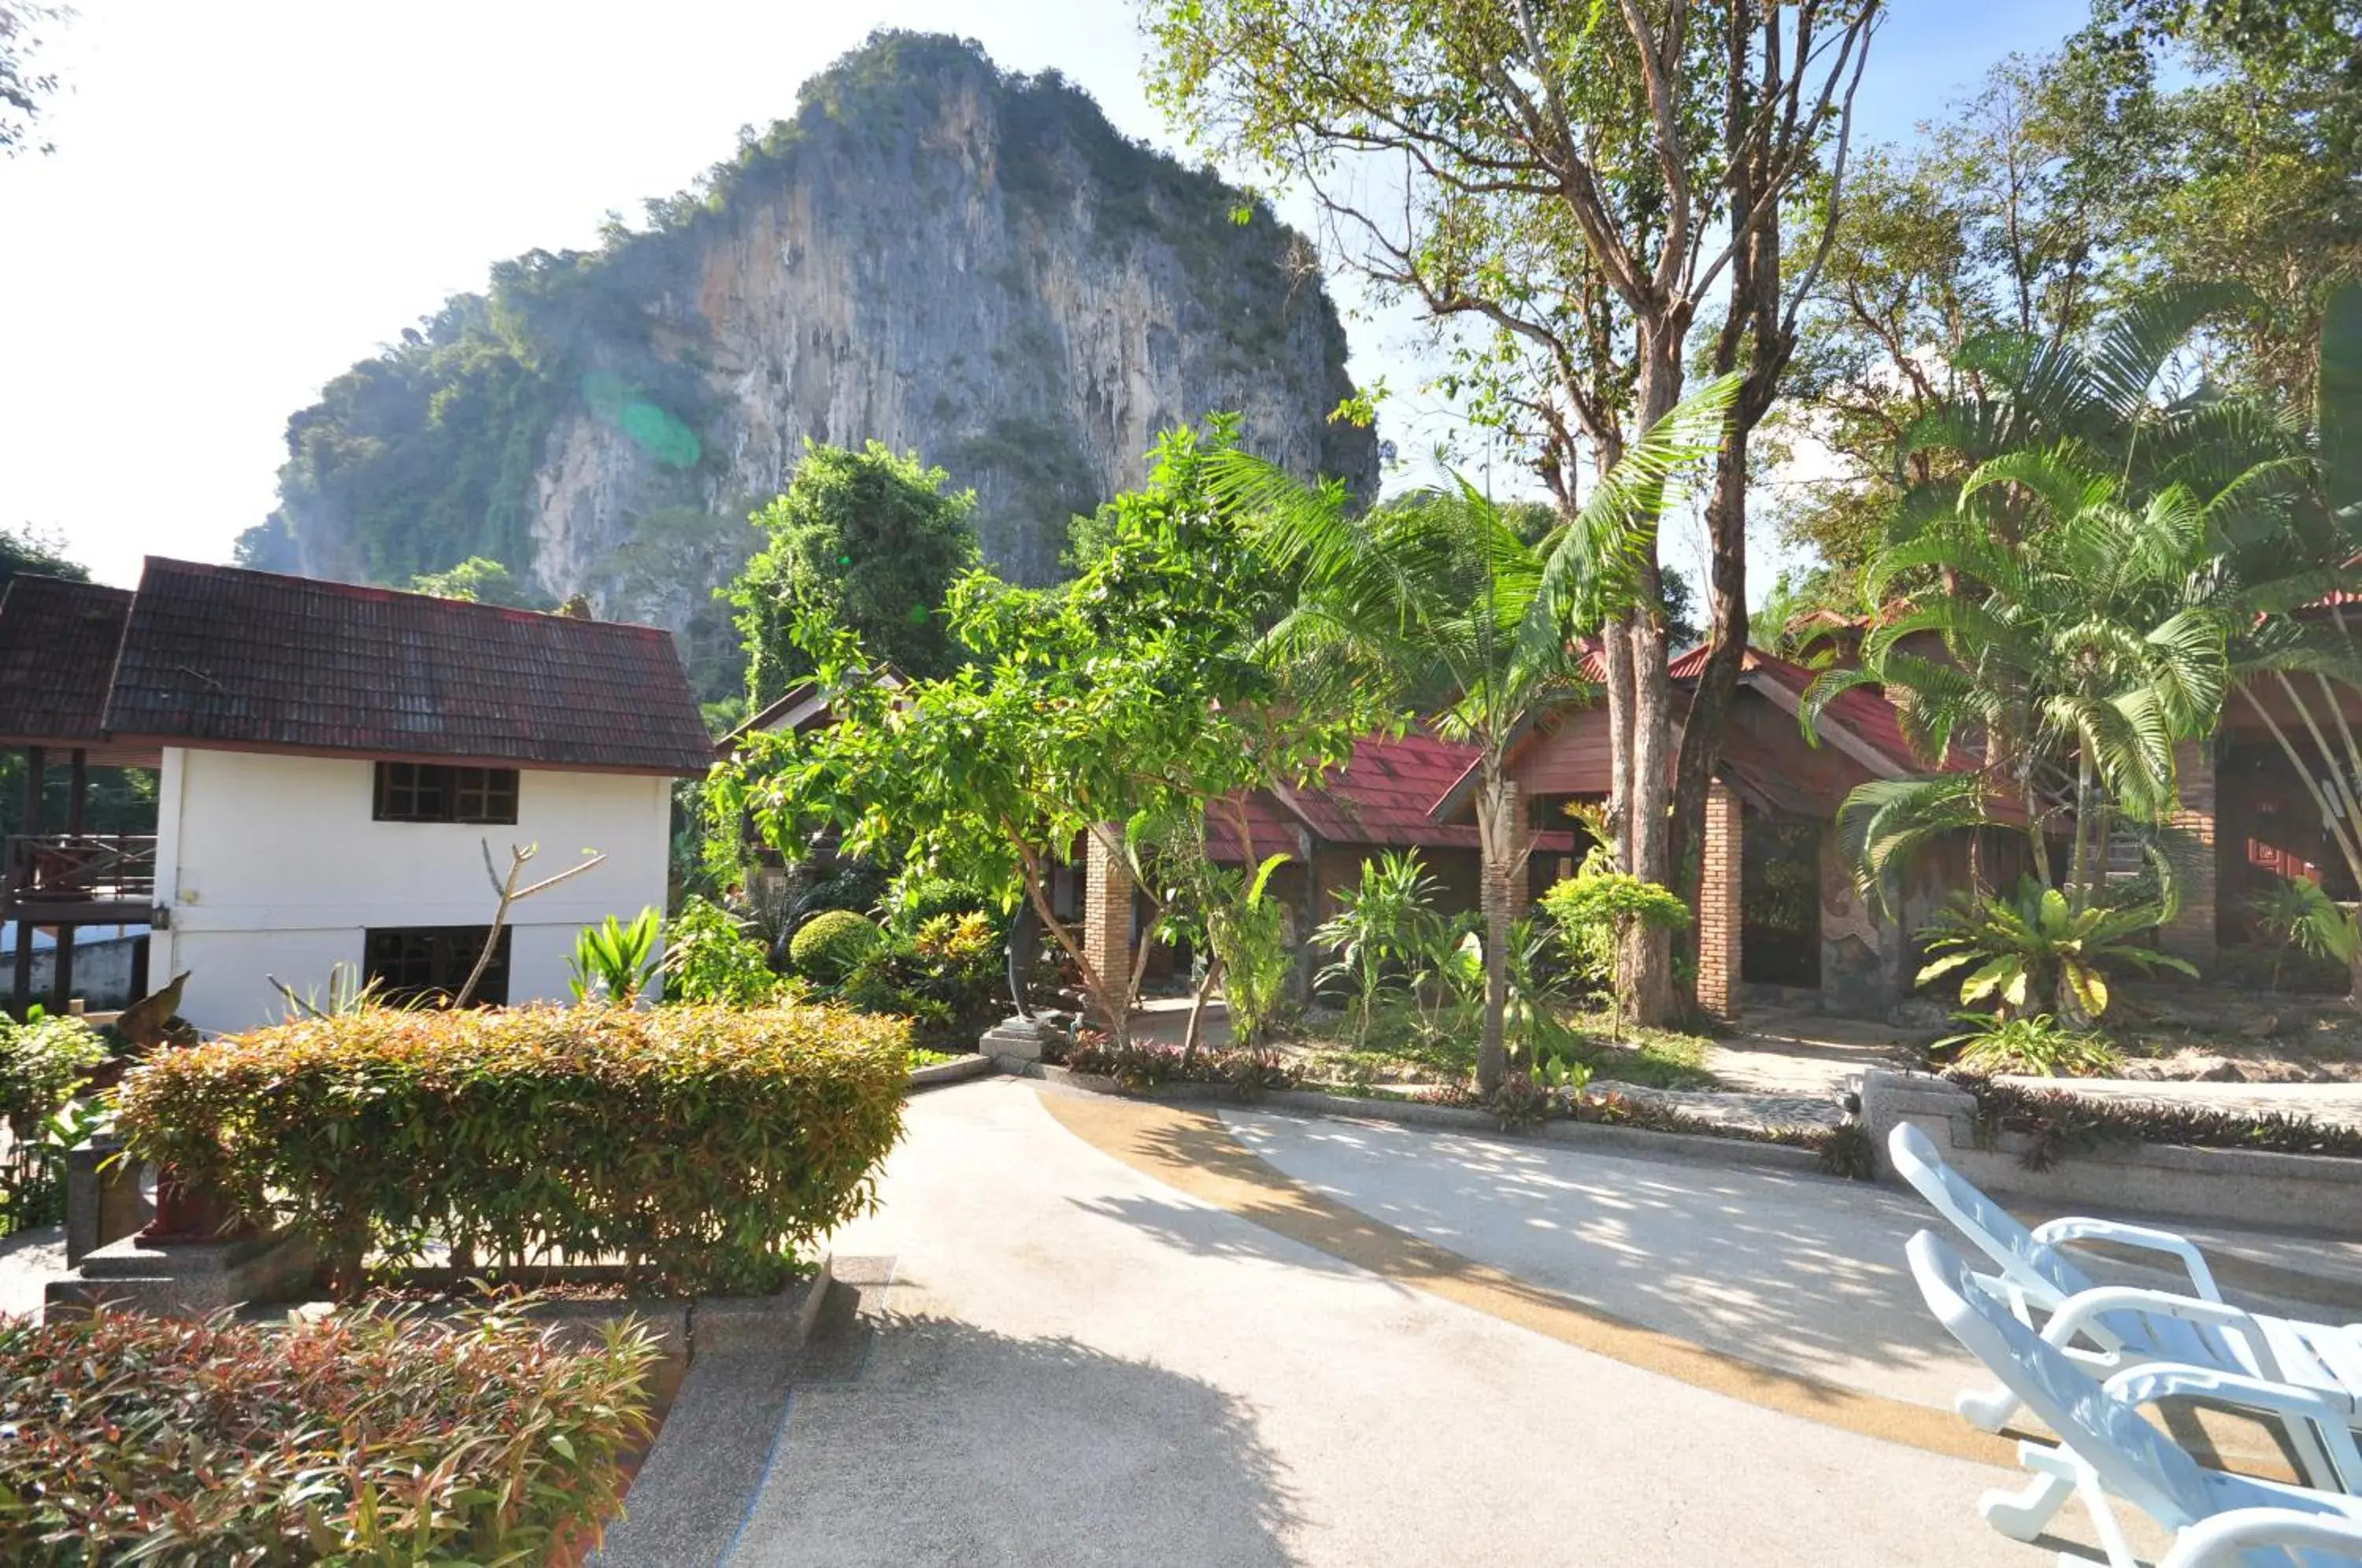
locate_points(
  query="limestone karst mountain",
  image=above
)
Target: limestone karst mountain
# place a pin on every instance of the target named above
(932, 253)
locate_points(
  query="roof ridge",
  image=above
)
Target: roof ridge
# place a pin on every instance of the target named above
(369, 590)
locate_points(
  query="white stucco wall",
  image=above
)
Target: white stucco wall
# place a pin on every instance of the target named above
(272, 866)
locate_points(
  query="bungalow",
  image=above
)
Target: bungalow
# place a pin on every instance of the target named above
(1780, 908)
(343, 772)
(1380, 800)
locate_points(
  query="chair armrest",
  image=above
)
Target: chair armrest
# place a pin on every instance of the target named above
(2081, 1228)
(2080, 1314)
(2164, 1380)
(2218, 1542)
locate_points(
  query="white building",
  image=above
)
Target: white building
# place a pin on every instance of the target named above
(338, 764)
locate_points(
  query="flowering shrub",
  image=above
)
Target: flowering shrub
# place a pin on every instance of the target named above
(357, 1438)
(701, 1144)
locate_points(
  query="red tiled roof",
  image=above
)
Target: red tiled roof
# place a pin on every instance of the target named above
(1860, 711)
(1381, 796)
(1272, 824)
(57, 654)
(224, 655)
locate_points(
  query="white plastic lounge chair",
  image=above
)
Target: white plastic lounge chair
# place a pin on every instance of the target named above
(2233, 1540)
(2112, 1328)
(2110, 1452)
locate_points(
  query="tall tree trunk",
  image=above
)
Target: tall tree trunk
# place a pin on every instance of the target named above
(1616, 653)
(1717, 683)
(1497, 848)
(1649, 971)
(1752, 334)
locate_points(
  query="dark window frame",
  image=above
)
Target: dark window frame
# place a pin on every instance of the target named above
(443, 792)
(430, 963)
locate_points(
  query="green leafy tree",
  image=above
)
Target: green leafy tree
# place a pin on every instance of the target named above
(479, 579)
(1574, 186)
(1248, 930)
(1435, 600)
(1127, 700)
(2016, 213)
(869, 537)
(710, 959)
(1596, 909)
(28, 550)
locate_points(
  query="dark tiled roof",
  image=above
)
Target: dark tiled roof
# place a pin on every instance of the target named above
(57, 654)
(254, 660)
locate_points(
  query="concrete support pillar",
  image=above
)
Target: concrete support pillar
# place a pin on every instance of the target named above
(2190, 933)
(1718, 917)
(1107, 908)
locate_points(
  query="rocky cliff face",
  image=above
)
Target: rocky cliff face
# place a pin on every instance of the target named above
(931, 254)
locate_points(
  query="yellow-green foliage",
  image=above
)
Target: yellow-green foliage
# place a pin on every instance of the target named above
(702, 1145)
(831, 943)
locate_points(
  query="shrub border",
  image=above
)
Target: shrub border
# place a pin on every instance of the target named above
(1603, 1138)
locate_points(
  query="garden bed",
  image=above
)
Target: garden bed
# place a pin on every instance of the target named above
(2060, 1150)
(1608, 1120)
(378, 1435)
(2190, 1034)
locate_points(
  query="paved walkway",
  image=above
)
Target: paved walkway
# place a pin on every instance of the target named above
(1077, 1361)
(1800, 1051)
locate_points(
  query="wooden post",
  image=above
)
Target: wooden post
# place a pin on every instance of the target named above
(37, 765)
(20, 990)
(79, 793)
(61, 972)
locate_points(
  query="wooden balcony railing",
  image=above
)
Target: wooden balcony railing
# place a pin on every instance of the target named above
(78, 868)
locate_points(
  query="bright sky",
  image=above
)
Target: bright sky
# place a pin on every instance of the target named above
(248, 195)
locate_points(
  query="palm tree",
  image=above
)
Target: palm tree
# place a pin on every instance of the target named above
(2104, 572)
(1435, 599)
(2075, 657)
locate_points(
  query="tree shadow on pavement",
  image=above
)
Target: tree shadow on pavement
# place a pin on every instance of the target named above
(960, 1445)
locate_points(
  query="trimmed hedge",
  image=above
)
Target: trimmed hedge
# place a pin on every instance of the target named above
(701, 1145)
(829, 944)
(357, 1437)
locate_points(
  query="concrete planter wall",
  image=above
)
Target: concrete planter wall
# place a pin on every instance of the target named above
(2235, 1185)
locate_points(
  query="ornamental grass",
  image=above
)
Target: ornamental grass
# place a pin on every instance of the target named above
(701, 1146)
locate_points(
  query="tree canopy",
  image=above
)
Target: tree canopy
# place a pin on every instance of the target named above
(1110, 706)
(872, 538)
(479, 579)
(27, 550)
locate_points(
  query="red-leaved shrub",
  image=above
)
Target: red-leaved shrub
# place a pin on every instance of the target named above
(360, 1438)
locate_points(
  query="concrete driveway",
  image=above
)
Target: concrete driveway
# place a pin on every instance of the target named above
(1062, 1359)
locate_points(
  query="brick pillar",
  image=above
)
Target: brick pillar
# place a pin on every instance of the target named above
(2190, 933)
(1107, 909)
(1719, 920)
